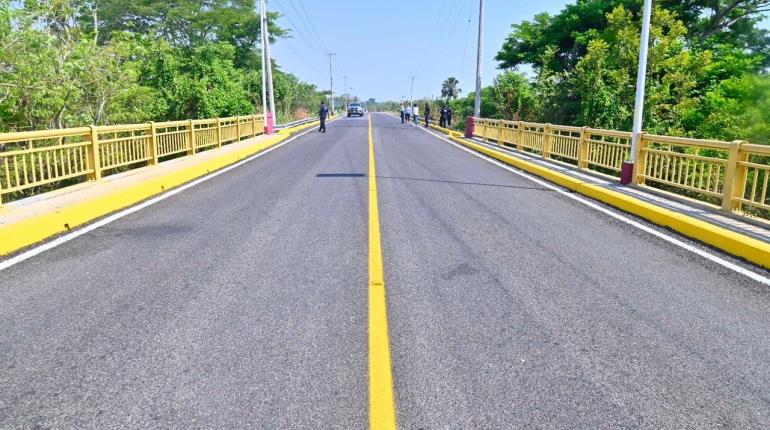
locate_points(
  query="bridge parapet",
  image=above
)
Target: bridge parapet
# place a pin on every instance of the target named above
(49, 159)
(731, 175)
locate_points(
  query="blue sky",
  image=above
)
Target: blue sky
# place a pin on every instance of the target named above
(380, 45)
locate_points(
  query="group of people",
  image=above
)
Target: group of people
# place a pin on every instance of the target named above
(413, 113)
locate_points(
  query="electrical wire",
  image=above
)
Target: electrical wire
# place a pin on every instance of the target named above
(312, 27)
(296, 28)
(465, 44)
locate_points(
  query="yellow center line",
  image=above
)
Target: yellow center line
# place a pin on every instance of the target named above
(382, 411)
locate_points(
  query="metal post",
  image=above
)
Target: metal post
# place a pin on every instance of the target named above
(271, 117)
(331, 80)
(262, 21)
(628, 173)
(94, 160)
(153, 144)
(477, 105)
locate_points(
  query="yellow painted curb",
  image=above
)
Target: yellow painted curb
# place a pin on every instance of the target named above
(28, 232)
(751, 249)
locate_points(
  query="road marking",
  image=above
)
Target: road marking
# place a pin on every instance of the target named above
(618, 216)
(116, 216)
(382, 411)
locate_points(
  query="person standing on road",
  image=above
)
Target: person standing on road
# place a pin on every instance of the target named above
(427, 114)
(415, 113)
(323, 113)
(407, 113)
(448, 116)
(443, 116)
(403, 112)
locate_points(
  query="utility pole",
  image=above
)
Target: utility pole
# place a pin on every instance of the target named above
(331, 79)
(627, 171)
(411, 94)
(262, 37)
(477, 105)
(347, 102)
(266, 40)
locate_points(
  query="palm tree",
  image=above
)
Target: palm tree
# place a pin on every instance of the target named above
(450, 89)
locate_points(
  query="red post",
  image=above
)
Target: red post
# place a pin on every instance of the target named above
(626, 172)
(469, 127)
(269, 123)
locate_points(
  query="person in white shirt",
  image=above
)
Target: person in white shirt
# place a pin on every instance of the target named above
(415, 112)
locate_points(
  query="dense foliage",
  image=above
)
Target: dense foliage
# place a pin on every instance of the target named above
(707, 72)
(68, 63)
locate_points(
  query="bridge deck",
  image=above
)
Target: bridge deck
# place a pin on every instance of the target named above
(242, 302)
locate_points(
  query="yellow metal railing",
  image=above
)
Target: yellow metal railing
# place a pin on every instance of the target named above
(30, 160)
(735, 175)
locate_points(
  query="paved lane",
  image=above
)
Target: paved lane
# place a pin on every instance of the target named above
(240, 303)
(511, 306)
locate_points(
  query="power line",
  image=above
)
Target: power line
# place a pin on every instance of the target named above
(465, 44)
(442, 38)
(446, 39)
(310, 23)
(296, 28)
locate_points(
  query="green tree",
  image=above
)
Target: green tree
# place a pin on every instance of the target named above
(514, 97)
(450, 88)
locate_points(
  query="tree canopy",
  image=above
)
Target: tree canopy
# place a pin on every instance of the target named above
(67, 63)
(707, 71)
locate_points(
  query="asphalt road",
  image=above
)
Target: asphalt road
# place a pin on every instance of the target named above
(242, 303)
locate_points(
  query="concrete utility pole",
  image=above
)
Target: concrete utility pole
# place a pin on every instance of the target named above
(641, 80)
(270, 118)
(331, 79)
(479, 50)
(347, 102)
(262, 37)
(411, 94)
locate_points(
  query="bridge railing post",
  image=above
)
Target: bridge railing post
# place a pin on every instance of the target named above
(499, 132)
(520, 136)
(238, 128)
(152, 145)
(547, 141)
(735, 177)
(94, 160)
(191, 138)
(640, 163)
(583, 150)
(219, 133)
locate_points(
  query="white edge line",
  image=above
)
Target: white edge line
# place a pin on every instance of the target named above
(125, 212)
(670, 239)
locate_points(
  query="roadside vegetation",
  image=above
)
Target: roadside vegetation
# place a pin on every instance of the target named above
(68, 63)
(707, 75)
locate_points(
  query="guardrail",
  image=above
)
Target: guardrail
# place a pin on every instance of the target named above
(732, 175)
(56, 158)
(296, 123)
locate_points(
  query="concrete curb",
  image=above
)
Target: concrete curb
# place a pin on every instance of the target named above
(17, 236)
(751, 249)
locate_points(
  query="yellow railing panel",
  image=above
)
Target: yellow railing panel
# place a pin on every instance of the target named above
(37, 161)
(735, 173)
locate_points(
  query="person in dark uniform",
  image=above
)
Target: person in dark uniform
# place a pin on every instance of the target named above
(448, 116)
(323, 113)
(443, 117)
(427, 113)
